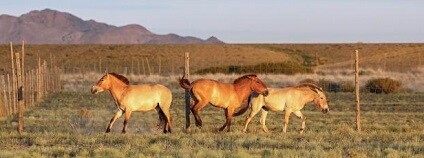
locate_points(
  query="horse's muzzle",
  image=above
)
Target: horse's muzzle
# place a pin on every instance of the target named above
(326, 110)
(94, 90)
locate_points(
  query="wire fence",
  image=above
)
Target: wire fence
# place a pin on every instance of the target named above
(25, 87)
(403, 81)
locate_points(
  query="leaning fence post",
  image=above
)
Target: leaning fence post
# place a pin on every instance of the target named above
(13, 80)
(20, 94)
(187, 92)
(358, 106)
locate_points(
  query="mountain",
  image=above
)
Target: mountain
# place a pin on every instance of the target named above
(53, 27)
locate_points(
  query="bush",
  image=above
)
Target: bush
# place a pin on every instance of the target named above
(308, 80)
(347, 86)
(288, 68)
(331, 86)
(386, 85)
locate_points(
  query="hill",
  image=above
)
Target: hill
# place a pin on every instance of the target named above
(168, 58)
(54, 27)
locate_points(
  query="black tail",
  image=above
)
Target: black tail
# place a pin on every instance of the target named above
(244, 108)
(185, 83)
(163, 120)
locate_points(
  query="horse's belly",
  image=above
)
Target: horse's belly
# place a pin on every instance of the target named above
(140, 104)
(274, 107)
(220, 100)
(220, 103)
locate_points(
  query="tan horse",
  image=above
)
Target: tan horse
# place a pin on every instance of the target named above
(228, 96)
(129, 98)
(290, 100)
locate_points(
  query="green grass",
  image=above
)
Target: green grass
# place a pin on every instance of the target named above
(71, 124)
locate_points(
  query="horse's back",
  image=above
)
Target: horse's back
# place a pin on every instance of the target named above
(285, 98)
(217, 93)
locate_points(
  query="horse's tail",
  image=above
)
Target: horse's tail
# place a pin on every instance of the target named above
(185, 83)
(244, 108)
(162, 117)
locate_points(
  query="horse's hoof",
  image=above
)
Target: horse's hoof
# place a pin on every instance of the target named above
(198, 124)
(107, 131)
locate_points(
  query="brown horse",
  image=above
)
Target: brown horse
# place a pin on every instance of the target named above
(223, 95)
(129, 98)
(290, 100)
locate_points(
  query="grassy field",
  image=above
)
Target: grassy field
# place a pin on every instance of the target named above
(72, 124)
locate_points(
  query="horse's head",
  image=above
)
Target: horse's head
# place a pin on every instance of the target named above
(321, 101)
(257, 85)
(101, 85)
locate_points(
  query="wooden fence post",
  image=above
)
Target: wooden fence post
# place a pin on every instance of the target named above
(23, 79)
(13, 79)
(148, 66)
(3, 104)
(9, 88)
(4, 96)
(144, 67)
(159, 65)
(358, 106)
(187, 92)
(20, 94)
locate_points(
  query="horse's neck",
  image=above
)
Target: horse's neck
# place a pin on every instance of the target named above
(243, 90)
(309, 97)
(116, 90)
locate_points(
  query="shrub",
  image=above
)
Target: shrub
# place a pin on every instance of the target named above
(308, 80)
(386, 85)
(330, 86)
(347, 86)
(288, 68)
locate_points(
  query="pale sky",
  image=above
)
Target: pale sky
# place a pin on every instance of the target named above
(252, 21)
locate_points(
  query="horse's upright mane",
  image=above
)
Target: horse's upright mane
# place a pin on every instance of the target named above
(120, 77)
(244, 77)
(310, 85)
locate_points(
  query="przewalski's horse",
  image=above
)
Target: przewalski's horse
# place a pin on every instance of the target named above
(228, 96)
(129, 98)
(290, 100)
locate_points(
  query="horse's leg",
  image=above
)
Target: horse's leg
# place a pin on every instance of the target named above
(255, 110)
(192, 111)
(127, 117)
(264, 113)
(117, 115)
(286, 120)
(196, 111)
(229, 116)
(303, 118)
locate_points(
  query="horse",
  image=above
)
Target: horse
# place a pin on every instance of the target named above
(228, 96)
(129, 98)
(290, 100)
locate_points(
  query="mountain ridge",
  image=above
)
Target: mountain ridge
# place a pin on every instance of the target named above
(54, 27)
